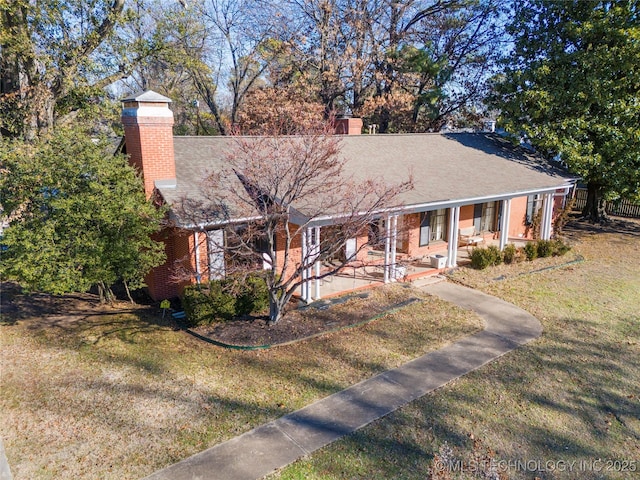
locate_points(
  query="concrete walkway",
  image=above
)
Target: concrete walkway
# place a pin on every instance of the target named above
(276, 444)
(5, 471)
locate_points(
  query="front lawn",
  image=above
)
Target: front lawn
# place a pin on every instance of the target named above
(107, 393)
(565, 406)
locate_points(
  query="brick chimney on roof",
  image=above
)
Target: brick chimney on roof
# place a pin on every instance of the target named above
(148, 133)
(347, 125)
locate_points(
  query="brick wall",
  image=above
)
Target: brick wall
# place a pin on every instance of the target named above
(348, 126)
(149, 143)
(169, 279)
(148, 130)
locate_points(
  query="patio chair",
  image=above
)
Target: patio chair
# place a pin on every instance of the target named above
(468, 236)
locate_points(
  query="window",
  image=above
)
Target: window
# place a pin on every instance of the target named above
(534, 202)
(438, 225)
(432, 226)
(377, 234)
(488, 219)
(425, 229)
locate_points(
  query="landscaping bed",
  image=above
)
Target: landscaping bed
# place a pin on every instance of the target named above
(309, 321)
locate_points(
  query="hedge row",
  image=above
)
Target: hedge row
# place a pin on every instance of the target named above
(482, 258)
(220, 300)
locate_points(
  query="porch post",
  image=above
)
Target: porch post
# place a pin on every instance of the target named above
(547, 214)
(552, 198)
(304, 287)
(452, 245)
(394, 243)
(317, 264)
(504, 223)
(387, 248)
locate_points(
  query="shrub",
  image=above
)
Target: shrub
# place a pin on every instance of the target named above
(510, 253)
(197, 307)
(224, 299)
(560, 248)
(531, 250)
(494, 254)
(545, 248)
(481, 258)
(253, 295)
(222, 302)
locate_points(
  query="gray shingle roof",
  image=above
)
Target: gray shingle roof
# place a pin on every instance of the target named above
(445, 167)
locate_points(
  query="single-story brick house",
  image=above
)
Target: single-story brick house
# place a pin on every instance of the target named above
(463, 182)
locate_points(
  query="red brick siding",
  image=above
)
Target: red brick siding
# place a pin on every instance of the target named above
(150, 148)
(349, 126)
(168, 280)
(517, 228)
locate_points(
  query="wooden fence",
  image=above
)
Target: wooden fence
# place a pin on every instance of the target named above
(620, 208)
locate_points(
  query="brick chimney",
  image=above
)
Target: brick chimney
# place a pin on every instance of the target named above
(148, 133)
(347, 125)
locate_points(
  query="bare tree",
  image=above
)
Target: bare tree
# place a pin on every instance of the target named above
(430, 58)
(284, 187)
(269, 110)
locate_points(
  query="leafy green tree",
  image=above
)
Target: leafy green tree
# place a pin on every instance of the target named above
(571, 87)
(78, 216)
(53, 55)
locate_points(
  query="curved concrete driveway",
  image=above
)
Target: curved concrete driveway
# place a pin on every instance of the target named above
(266, 448)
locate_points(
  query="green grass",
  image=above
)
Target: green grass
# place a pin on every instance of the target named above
(571, 396)
(89, 393)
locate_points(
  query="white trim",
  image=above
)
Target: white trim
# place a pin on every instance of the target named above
(452, 239)
(147, 112)
(429, 206)
(504, 223)
(394, 245)
(316, 249)
(215, 254)
(398, 210)
(547, 216)
(304, 286)
(387, 249)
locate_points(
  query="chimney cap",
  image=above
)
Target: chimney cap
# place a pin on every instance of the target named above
(147, 96)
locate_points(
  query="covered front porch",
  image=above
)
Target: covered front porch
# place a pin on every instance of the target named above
(410, 237)
(361, 276)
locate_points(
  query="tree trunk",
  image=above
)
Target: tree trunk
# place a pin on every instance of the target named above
(275, 312)
(277, 302)
(101, 292)
(594, 209)
(126, 287)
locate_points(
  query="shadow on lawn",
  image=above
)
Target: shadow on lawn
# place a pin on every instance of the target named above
(579, 228)
(572, 395)
(79, 318)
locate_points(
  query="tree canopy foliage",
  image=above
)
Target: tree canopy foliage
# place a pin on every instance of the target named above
(412, 65)
(572, 87)
(54, 56)
(407, 66)
(78, 216)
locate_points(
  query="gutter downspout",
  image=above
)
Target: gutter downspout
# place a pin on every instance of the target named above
(196, 240)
